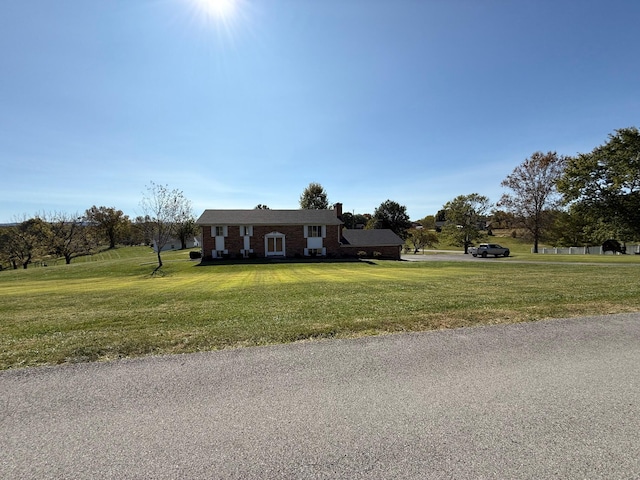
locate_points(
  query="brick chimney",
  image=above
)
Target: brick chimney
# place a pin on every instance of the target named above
(338, 208)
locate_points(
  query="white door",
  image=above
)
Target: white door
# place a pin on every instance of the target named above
(274, 245)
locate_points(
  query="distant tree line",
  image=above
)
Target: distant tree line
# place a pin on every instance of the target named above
(565, 201)
(167, 214)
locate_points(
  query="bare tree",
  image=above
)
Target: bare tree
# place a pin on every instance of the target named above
(533, 184)
(70, 238)
(164, 209)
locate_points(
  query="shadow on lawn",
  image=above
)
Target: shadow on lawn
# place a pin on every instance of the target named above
(272, 261)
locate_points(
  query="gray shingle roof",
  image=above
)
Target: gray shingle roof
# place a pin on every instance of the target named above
(371, 238)
(269, 217)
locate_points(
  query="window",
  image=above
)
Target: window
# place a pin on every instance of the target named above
(314, 230)
(245, 231)
(219, 231)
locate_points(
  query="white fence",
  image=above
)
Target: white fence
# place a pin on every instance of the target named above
(595, 250)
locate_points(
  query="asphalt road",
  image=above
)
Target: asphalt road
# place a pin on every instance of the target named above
(553, 399)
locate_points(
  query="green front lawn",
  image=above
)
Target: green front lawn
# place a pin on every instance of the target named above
(111, 307)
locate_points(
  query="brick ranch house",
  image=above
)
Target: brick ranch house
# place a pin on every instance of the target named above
(288, 234)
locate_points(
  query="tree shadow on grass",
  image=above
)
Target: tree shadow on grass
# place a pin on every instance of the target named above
(273, 261)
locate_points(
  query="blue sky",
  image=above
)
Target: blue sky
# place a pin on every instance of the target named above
(416, 101)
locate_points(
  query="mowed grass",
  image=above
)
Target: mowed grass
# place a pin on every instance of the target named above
(110, 306)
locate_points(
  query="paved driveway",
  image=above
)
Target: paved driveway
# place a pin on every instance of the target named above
(441, 256)
(553, 399)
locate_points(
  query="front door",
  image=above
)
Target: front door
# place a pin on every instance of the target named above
(274, 245)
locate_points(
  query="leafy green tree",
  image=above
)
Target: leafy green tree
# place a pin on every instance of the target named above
(393, 216)
(5, 251)
(185, 230)
(27, 240)
(465, 217)
(502, 219)
(347, 219)
(420, 238)
(533, 191)
(606, 182)
(441, 215)
(185, 227)
(428, 222)
(440, 218)
(361, 219)
(355, 220)
(108, 221)
(140, 231)
(314, 197)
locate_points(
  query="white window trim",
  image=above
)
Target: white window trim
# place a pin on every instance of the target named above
(322, 233)
(214, 228)
(266, 244)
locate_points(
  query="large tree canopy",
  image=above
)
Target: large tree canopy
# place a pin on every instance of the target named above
(606, 182)
(391, 215)
(26, 240)
(465, 217)
(533, 192)
(109, 221)
(314, 197)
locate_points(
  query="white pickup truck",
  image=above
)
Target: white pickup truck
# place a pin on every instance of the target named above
(485, 249)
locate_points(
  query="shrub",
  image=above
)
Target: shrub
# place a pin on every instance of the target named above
(193, 255)
(377, 254)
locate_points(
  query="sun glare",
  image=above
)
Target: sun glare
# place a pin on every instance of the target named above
(224, 18)
(220, 9)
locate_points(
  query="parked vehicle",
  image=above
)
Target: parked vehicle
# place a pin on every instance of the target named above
(485, 249)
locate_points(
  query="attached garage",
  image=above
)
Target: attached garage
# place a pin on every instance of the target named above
(382, 243)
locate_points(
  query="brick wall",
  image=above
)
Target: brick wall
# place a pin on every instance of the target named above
(295, 243)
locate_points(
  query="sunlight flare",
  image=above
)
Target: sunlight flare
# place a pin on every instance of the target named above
(224, 17)
(220, 9)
